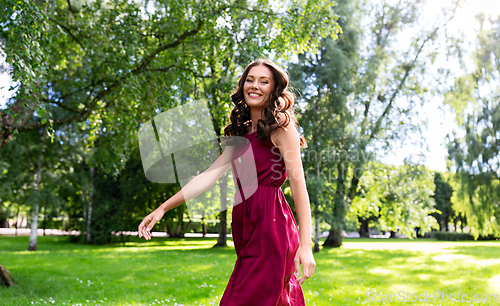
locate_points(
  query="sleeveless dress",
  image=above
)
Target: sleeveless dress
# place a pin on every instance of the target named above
(265, 235)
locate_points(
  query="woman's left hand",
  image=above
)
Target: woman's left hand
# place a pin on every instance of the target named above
(305, 257)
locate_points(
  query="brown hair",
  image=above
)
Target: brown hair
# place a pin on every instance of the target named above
(278, 113)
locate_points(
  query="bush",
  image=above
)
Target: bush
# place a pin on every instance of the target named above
(488, 237)
(453, 236)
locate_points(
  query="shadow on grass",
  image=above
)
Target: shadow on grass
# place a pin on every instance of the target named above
(191, 271)
(348, 274)
(186, 269)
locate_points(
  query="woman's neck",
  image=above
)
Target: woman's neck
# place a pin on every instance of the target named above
(255, 116)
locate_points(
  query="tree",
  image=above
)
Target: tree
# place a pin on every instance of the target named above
(386, 81)
(474, 157)
(325, 116)
(30, 175)
(98, 63)
(442, 196)
(97, 55)
(397, 197)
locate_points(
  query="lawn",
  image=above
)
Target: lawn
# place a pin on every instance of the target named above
(189, 272)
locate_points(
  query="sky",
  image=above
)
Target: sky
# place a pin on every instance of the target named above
(440, 118)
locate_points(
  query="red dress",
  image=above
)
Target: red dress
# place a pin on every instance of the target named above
(265, 235)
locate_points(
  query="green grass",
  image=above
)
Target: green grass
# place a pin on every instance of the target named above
(193, 273)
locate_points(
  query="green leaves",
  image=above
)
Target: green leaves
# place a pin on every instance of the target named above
(396, 197)
(474, 96)
(25, 35)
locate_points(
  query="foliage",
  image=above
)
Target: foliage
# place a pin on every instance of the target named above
(107, 66)
(453, 236)
(117, 62)
(325, 80)
(475, 98)
(442, 196)
(361, 92)
(398, 197)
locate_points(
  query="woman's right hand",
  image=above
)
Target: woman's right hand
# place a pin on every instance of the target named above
(149, 221)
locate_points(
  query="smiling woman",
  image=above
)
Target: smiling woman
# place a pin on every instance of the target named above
(267, 241)
(265, 234)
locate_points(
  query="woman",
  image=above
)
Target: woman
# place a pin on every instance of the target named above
(267, 241)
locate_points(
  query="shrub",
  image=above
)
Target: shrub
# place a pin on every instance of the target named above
(453, 236)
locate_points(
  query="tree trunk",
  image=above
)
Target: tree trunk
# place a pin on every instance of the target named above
(175, 229)
(17, 219)
(222, 240)
(334, 238)
(393, 234)
(91, 200)
(36, 206)
(6, 278)
(44, 223)
(418, 232)
(179, 229)
(203, 226)
(34, 227)
(84, 205)
(316, 223)
(364, 228)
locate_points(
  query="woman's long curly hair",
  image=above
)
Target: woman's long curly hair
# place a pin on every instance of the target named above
(278, 113)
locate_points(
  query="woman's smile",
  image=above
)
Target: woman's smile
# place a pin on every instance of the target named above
(254, 95)
(258, 86)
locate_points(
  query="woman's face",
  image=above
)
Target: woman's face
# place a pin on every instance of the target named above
(258, 87)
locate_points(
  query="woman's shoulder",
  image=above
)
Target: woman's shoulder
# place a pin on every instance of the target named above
(284, 134)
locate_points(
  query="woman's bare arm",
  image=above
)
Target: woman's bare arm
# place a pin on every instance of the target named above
(196, 186)
(288, 142)
(201, 182)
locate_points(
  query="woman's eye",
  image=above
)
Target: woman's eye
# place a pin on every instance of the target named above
(264, 82)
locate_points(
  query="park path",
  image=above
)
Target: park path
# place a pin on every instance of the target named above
(57, 232)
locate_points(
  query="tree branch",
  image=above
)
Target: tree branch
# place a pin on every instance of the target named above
(165, 69)
(82, 116)
(407, 68)
(67, 30)
(72, 10)
(177, 42)
(63, 106)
